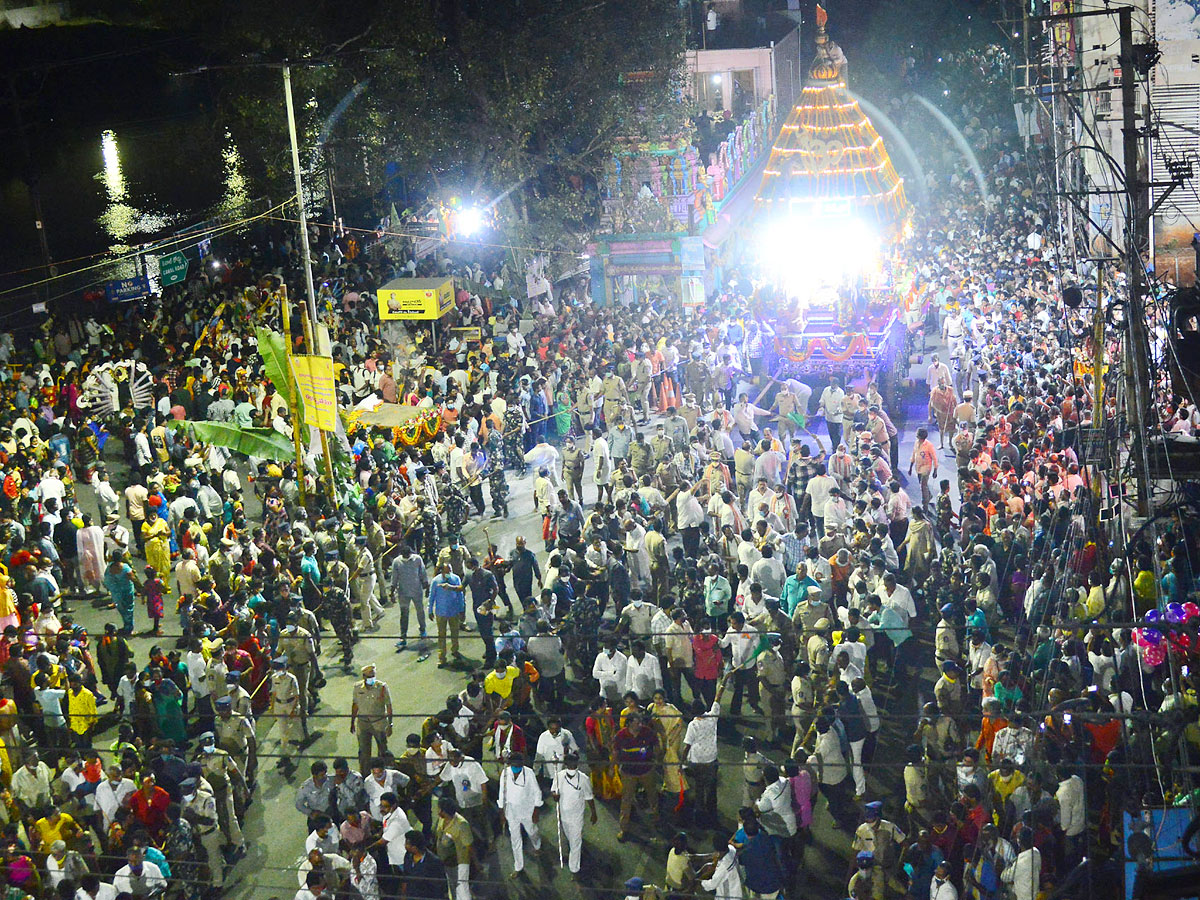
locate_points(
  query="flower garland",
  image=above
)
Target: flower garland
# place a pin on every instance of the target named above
(421, 429)
(827, 349)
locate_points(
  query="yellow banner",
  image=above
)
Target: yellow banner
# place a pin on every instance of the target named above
(416, 298)
(314, 382)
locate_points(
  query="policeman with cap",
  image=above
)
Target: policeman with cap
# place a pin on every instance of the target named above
(223, 776)
(297, 647)
(239, 697)
(235, 735)
(370, 715)
(878, 836)
(362, 584)
(285, 705)
(199, 807)
(866, 883)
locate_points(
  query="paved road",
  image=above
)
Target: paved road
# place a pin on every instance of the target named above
(275, 831)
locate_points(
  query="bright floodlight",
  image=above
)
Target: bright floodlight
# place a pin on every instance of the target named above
(801, 254)
(470, 221)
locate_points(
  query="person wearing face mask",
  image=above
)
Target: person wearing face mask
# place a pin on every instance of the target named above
(111, 795)
(572, 792)
(370, 715)
(297, 646)
(138, 876)
(940, 888)
(199, 807)
(222, 773)
(285, 705)
(519, 802)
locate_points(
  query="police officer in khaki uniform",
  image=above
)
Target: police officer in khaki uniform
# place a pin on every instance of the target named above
(297, 647)
(235, 735)
(285, 705)
(239, 697)
(572, 469)
(641, 457)
(199, 808)
(615, 397)
(224, 777)
(660, 445)
(370, 716)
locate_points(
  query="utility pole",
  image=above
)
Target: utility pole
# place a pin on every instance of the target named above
(285, 311)
(310, 320)
(1137, 344)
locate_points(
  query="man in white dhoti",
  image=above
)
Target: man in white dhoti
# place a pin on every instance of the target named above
(572, 791)
(520, 798)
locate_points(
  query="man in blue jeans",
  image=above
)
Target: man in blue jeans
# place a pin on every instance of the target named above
(447, 606)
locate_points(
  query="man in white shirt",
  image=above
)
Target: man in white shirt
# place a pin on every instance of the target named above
(197, 671)
(830, 406)
(92, 888)
(726, 880)
(137, 876)
(1072, 816)
(643, 674)
(113, 793)
(553, 746)
(609, 670)
(519, 802)
(1025, 874)
(395, 827)
(778, 817)
(470, 785)
(572, 792)
(700, 753)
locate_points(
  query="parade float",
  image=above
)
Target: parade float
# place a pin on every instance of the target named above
(830, 218)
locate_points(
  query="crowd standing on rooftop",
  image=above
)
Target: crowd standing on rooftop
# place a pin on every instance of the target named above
(922, 661)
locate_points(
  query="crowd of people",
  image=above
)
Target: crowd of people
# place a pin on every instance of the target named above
(738, 603)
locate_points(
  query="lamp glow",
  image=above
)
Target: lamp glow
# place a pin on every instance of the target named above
(805, 253)
(470, 221)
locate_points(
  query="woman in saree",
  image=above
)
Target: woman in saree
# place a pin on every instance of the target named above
(669, 725)
(249, 644)
(156, 537)
(941, 409)
(601, 728)
(562, 410)
(168, 707)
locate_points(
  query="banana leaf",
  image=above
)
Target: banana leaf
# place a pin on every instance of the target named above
(272, 347)
(265, 443)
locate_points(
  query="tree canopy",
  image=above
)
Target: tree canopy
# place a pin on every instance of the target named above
(519, 100)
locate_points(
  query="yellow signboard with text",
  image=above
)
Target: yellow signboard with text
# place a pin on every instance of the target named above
(315, 384)
(416, 298)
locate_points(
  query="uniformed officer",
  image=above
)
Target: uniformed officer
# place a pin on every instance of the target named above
(370, 716)
(297, 647)
(199, 807)
(336, 606)
(362, 584)
(236, 736)
(615, 397)
(641, 457)
(224, 777)
(660, 445)
(573, 459)
(285, 704)
(238, 696)
(773, 686)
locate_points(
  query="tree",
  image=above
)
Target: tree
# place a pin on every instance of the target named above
(516, 102)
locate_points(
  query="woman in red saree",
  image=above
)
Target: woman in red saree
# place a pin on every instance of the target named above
(249, 644)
